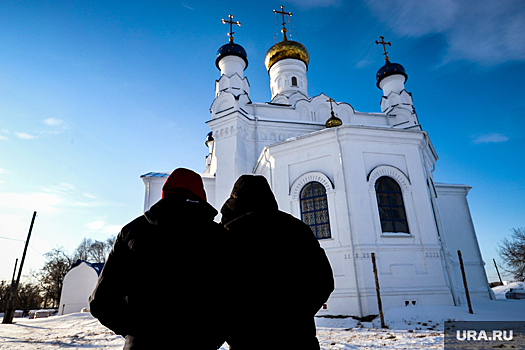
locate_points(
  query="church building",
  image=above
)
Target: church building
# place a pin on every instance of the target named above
(363, 182)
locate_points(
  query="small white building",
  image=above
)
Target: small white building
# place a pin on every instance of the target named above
(364, 182)
(78, 284)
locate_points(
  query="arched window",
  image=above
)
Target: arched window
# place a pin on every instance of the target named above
(314, 209)
(294, 81)
(391, 207)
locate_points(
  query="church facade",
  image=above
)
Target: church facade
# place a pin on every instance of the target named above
(363, 182)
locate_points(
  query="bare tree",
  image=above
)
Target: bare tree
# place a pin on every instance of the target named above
(82, 251)
(29, 295)
(512, 252)
(50, 277)
(94, 251)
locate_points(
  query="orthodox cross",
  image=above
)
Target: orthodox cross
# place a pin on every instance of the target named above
(284, 22)
(382, 42)
(333, 121)
(231, 22)
(331, 107)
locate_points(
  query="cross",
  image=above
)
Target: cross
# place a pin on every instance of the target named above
(284, 23)
(331, 108)
(382, 42)
(231, 22)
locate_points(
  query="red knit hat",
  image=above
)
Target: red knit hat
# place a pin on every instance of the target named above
(184, 179)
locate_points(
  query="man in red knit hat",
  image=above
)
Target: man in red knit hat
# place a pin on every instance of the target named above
(160, 286)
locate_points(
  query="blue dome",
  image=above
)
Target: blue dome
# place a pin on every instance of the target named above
(390, 69)
(209, 138)
(231, 49)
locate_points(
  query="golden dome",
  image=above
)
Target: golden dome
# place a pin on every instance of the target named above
(333, 122)
(286, 49)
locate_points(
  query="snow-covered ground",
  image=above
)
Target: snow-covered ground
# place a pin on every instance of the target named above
(410, 327)
(501, 290)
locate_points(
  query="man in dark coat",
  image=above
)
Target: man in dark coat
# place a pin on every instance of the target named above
(282, 276)
(160, 285)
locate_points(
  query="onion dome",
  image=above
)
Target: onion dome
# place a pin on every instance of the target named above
(286, 49)
(231, 49)
(390, 69)
(209, 138)
(333, 121)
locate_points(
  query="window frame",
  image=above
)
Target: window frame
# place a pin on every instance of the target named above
(390, 207)
(406, 190)
(315, 226)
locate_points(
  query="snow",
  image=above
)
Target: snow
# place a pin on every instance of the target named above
(500, 291)
(410, 327)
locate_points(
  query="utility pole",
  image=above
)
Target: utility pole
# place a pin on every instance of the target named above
(10, 295)
(378, 292)
(465, 282)
(497, 271)
(10, 312)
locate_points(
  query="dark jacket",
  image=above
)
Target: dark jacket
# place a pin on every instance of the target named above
(283, 276)
(160, 283)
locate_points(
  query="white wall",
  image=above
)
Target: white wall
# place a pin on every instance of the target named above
(347, 161)
(459, 234)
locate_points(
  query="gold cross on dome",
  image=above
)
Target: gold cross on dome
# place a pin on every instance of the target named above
(331, 107)
(382, 42)
(231, 22)
(284, 22)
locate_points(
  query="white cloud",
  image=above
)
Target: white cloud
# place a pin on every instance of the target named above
(102, 227)
(490, 138)
(50, 199)
(61, 188)
(54, 122)
(24, 136)
(3, 138)
(89, 195)
(39, 201)
(95, 225)
(485, 31)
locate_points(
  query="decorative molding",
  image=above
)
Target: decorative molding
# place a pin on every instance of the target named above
(302, 180)
(390, 171)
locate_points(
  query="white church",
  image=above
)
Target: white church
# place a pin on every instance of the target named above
(363, 182)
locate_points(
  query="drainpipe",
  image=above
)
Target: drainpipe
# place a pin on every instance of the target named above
(255, 135)
(270, 165)
(360, 310)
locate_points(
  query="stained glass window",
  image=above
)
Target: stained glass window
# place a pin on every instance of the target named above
(314, 209)
(391, 208)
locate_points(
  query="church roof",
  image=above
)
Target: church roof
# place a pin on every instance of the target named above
(154, 174)
(96, 266)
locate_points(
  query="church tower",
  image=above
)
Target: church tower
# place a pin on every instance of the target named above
(396, 101)
(287, 63)
(232, 61)
(229, 140)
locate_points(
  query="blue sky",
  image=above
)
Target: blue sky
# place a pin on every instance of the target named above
(94, 94)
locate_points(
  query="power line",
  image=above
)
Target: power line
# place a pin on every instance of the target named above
(21, 240)
(13, 239)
